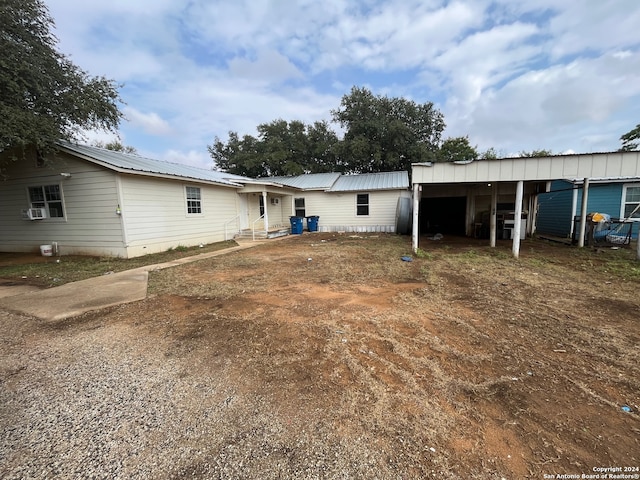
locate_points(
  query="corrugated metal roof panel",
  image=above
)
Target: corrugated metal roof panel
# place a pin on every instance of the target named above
(371, 181)
(134, 163)
(309, 181)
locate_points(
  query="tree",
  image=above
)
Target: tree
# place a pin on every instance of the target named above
(239, 156)
(383, 133)
(457, 149)
(323, 149)
(491, 154)
(44, 97)
(630, 140)
(116, 146)
(282, 148)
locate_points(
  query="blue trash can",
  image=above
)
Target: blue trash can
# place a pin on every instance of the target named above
(296, 225)
(312, 223)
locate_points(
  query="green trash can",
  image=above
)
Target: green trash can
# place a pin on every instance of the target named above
(312, 223)
(296, 225)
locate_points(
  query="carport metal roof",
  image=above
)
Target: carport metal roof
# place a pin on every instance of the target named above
(586, 165)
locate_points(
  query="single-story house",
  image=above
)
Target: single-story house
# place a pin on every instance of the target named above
(368, 202)
(92, 201)
(559, 209)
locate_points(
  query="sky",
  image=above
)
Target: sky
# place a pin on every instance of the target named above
(513, 75)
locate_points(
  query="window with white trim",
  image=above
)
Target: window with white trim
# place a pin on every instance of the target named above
(631, 202)
(194, 200)
(48, 197)
(362, 204)
(300, 209)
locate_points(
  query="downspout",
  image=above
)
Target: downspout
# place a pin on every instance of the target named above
(121, 212)
(574, 206)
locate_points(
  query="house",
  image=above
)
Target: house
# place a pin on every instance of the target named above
(91, 201)
(368, 202)
(559, 209)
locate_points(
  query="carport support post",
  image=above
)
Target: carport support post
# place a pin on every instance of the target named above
(583, 212)
(493, 223)
(266, 214)
(416, 214)
(517, 219)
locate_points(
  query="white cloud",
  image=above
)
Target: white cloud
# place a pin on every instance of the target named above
(511, 74)
(544, 108)
(150, 122)
(269, 66)
(195, 158)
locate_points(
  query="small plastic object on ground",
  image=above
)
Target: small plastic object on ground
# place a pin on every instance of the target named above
(626, 408)
(406, 258)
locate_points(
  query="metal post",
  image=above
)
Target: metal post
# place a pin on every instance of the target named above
(583, 212)
(415, 231)
(493, 223)
(517, 219)
(266, 214)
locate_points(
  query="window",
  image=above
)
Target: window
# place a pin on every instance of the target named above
(300, 210)
(194, 200)
(631, 202)
(362, 204)
(48, 197)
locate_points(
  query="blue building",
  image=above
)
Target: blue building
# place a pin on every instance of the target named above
(560, 206)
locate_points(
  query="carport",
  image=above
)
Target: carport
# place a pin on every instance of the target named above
(504, 183)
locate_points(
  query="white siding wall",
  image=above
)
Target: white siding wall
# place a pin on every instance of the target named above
(337, 211)
(155, 214)
(278, 213)
(91, 225)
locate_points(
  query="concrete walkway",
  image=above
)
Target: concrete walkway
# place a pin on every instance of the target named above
(75, 298)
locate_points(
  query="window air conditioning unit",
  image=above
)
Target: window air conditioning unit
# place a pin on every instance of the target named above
(275, 201)
(36, 213)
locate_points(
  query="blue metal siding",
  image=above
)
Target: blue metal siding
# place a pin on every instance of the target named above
(554, 212)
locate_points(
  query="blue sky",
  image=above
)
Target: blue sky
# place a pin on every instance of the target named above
(511, 74)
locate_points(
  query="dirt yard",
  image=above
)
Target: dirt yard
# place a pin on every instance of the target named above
(327, 356)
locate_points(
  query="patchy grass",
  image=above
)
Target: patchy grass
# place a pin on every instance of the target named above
(54, 271)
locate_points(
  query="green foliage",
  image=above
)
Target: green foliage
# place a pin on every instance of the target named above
(457, 149)
(423, 254)
(630, 140)
(491, 154)
(381, 134)
(386, 134)
(282, 148)
(116, 146)
(44, 97)
(536, 153)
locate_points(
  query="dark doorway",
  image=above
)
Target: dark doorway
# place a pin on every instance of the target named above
(443, 215)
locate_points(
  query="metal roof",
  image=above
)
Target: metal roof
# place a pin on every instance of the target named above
(123, 162)
(309, 181)
(371, 181)
(579, 181)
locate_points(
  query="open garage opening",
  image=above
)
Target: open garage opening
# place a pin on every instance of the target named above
(445, 215)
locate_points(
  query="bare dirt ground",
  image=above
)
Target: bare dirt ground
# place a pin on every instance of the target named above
(327, 356)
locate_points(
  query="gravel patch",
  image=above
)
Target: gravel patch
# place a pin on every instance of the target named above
(97, 401)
